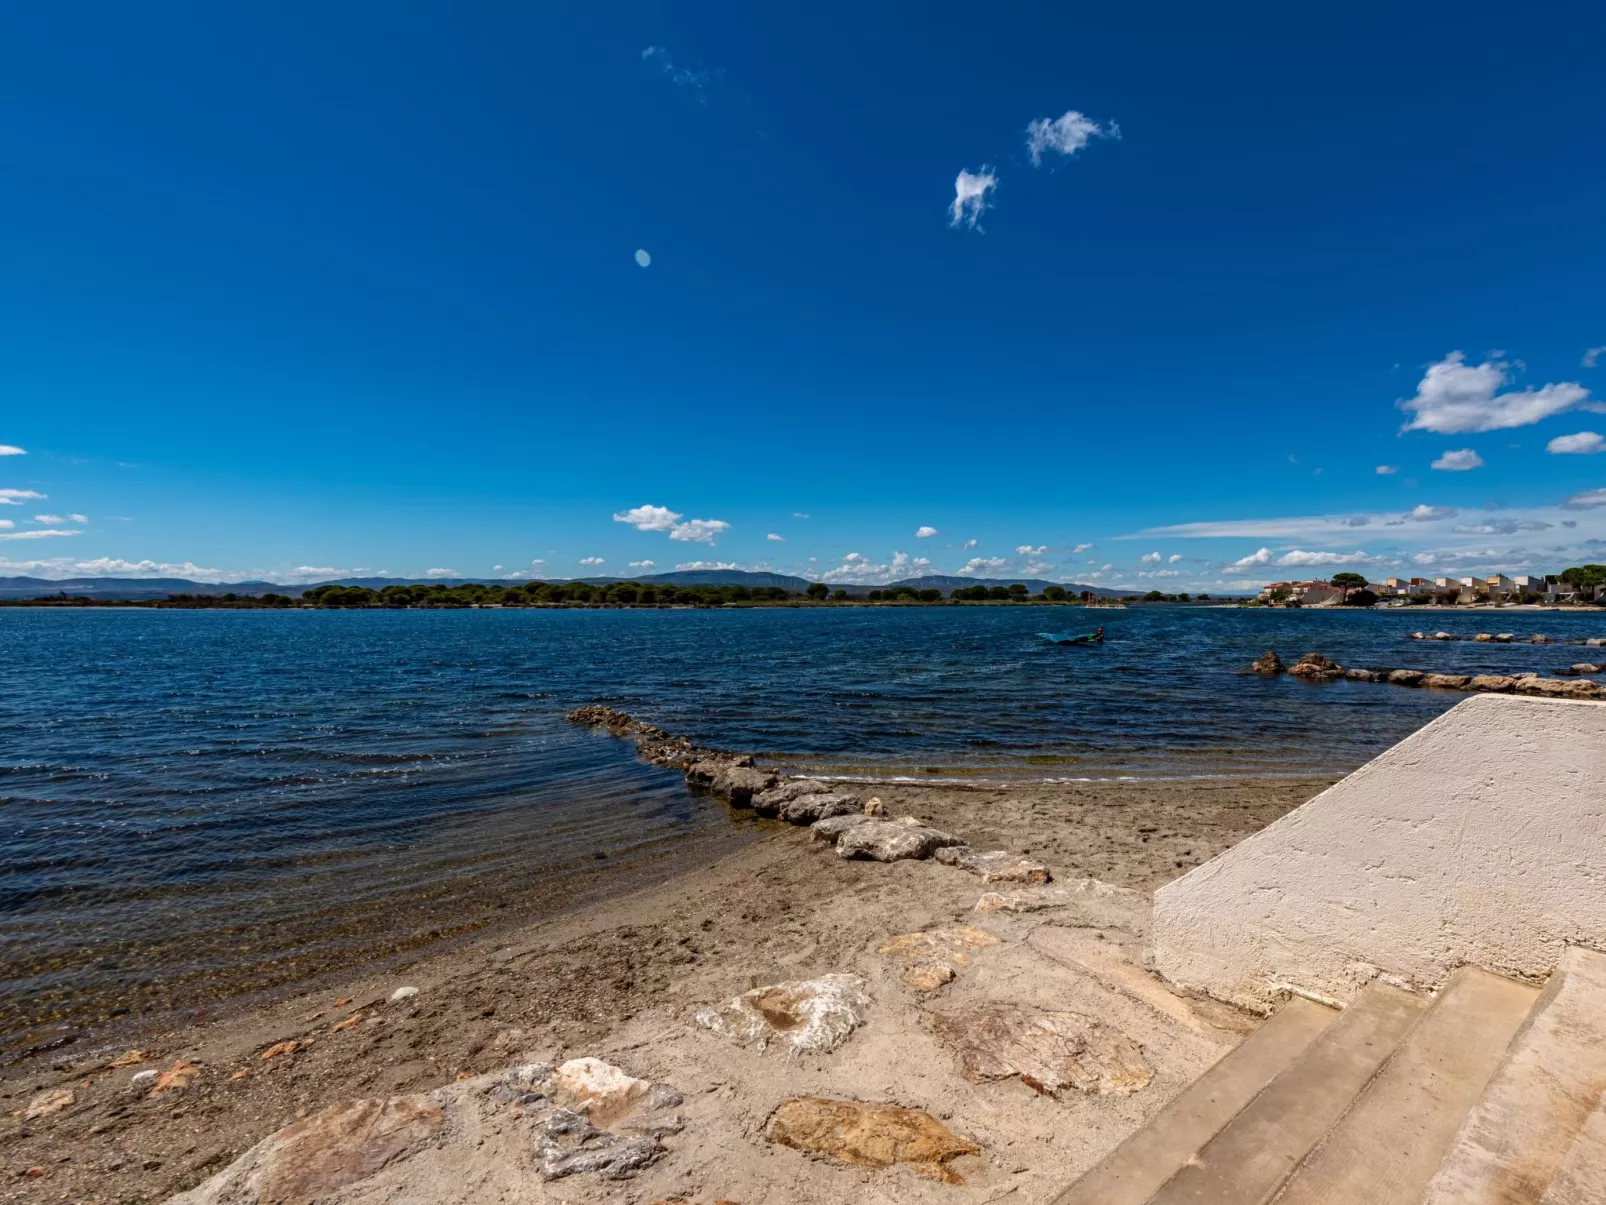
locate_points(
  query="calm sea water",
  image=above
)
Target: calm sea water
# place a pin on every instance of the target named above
(194, 803)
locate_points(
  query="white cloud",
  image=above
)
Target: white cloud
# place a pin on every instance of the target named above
(776, 538)
(648, 518)
(983, 564)
(1387, 470)
(17, 497)
(1592, 356)
(1151, 558)
(968, 544)
(797, 514)
(698, 531)
(43, 533)
(442, 573)
(1429, 514)
(1161, 573)
(1587, 500)
(1584, 443)
(585, 560)
(643, 260)
(1263, 557)
(12, 450)
(925, 533)
(1028, 550)
(1065, 134)
(661, 518)
(52, 519)
(970, 197)
(1455, 397)
(79, 518)
(319, 571)
(1173, 558)
(1081, 548)
(708, 565)
(1298, 556)
(1459, 461)
(61, 567)
(7, 523)
(644, 564)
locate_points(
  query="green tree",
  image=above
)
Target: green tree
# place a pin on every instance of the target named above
(930, 595)
(840, 595)
(1018, 592)
(1054, 593)
(818, 590)
(1584, 576)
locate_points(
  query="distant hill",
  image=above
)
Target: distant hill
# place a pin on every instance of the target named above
(140, 588)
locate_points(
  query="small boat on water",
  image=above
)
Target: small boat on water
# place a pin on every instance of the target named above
(1094, 637)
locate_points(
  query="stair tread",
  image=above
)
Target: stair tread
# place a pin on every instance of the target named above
(1388, 1145)
(1249, 1160)
(1581, 1180)
(1141, 1164)
(1518, 1136)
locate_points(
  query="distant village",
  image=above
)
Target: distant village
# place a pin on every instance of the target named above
(1573, 587)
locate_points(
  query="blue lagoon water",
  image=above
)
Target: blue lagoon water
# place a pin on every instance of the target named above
(195, 803)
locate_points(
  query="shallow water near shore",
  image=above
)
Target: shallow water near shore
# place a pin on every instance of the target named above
(195, 803)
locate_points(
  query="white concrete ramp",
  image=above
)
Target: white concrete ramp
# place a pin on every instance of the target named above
(1480, 839)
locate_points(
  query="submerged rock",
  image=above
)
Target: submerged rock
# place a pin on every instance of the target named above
(1504, 637)
(1444, 636)
(892, 840)
(1049, 1051)
(1585, 667)
(995, 865)
(814, 1015)
(1267, 663)
(1483, 638)
(1366, 675)
(867, 1135)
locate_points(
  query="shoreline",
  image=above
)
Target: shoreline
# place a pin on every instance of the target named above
(592, 979)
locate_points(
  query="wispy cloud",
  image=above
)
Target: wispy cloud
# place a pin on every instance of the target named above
(1459, 461)
(52, 519)
(970, 197)
(1299, 557)
(659, 59)
(18, 497)
(1081, 548)
(12, 450)
(42, 533)
(707, 565)
(1587, 500)
(1064, 135)
(79, 518)
(1455, 397)
(65, 567)
(779, 539)
(1592, 356)
(1422, 513)
(797, 514)
(1584, 443)
(1387, 470)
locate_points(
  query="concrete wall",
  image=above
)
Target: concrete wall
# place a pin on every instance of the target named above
(1479, 839)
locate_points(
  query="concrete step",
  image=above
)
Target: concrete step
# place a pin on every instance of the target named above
(1254, 1154)
(1517, 1138)
(1140, 1165)
(1388, 1146)
(1581, 1179)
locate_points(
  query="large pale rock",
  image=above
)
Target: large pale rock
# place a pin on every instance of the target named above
(770, 802)
(1554, 688)
(868, 1135)
(995, 865)
(815, 1015)
(1497, 683)
(892, 841)
(46, 1103)
(928, 960)
(318, 1156)
(806, 809)
(1446, 681)
(833, 827)
(1049, 1051)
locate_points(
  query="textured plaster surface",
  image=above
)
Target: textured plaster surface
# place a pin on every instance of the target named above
(1479, 839)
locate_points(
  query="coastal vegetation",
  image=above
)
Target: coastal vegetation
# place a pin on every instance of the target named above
(586, 594)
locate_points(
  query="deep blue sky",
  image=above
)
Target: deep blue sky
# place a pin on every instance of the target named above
(352, 286)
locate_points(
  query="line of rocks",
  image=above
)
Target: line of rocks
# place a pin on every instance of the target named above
(1505, 638)
(1313, 667)
(858, 827)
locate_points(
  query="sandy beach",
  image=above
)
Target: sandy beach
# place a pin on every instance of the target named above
(620, 979)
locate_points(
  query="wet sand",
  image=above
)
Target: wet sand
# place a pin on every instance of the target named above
(587, 981)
